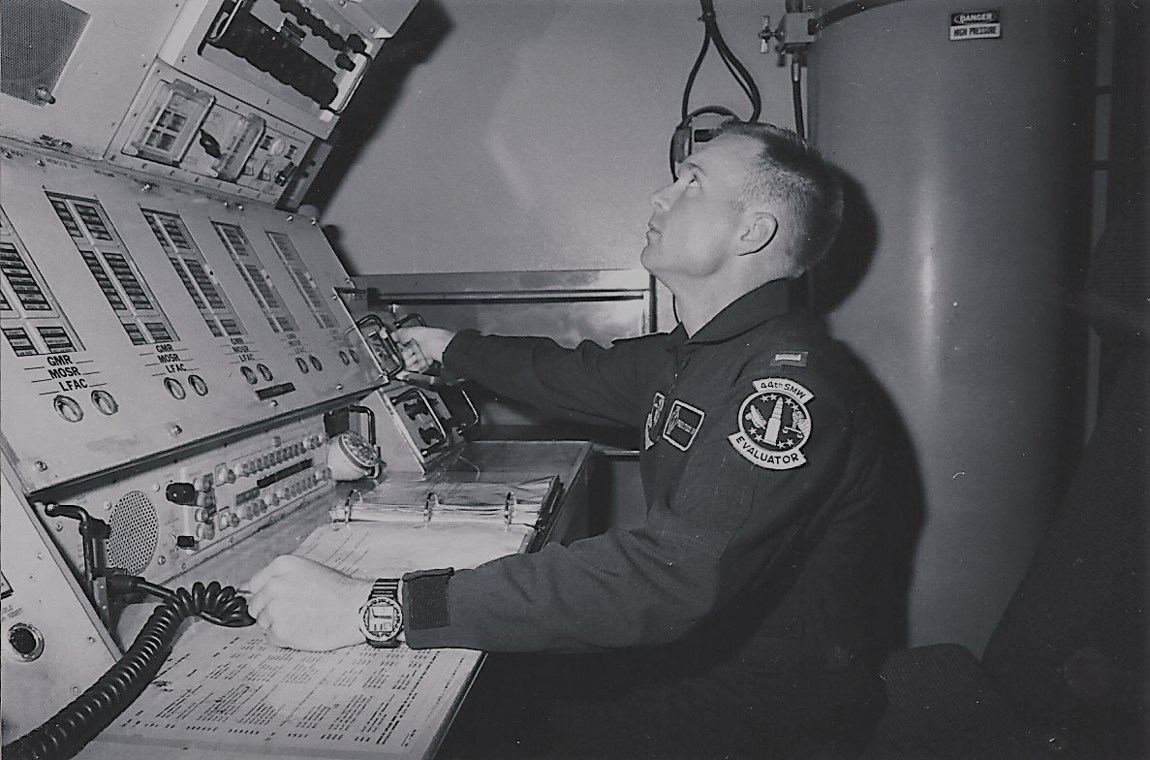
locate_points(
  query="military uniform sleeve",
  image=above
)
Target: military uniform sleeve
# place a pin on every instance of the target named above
(586, 384)
(706, 540)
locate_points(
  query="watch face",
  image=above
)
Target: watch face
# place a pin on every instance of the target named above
(381, 619)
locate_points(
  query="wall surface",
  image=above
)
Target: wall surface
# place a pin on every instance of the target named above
(516, 135)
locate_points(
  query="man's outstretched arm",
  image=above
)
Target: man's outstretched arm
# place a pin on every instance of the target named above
(588, 383)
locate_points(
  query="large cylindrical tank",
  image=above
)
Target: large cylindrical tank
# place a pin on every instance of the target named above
(950, 282)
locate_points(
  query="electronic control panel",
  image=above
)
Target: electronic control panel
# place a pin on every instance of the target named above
(307, 55)
(179, 373)
(138, 318)
(171, 517)
(424, 416)
(185, 130)
(52, 644)
(179, 368)
(234, 95)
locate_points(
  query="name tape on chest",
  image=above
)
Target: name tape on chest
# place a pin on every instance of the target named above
(774, 424)
(683, 423)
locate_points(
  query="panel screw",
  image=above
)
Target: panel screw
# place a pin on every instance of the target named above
(175, 430)
(41, 466)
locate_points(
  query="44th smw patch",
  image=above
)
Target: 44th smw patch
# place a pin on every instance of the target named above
(774, 424)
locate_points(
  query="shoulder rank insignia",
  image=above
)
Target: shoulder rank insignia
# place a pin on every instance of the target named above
(789, 359)
(654, 417)
(774, 424)
(683, 423)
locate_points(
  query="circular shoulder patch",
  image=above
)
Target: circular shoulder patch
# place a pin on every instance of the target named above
(774, 424)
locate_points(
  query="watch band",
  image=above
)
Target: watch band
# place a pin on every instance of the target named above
(388, 587)
(381, 617)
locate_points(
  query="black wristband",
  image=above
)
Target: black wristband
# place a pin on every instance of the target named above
(425, 599)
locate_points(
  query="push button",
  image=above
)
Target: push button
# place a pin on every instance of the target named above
(67, 408)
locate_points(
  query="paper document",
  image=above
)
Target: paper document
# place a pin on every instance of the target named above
(376, 550)
(227, 689)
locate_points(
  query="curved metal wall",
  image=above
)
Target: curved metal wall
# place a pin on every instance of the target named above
(953, 290)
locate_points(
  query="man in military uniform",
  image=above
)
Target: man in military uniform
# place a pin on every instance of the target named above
(736, 620)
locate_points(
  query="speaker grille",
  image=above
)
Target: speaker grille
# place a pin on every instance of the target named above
(37, 38)
(135, 530)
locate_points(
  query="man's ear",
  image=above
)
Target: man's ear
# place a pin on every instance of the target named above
(759, 230)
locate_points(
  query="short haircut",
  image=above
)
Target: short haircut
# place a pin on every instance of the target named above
(791, 172)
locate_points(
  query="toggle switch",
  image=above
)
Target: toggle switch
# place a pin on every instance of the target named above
(181, 493)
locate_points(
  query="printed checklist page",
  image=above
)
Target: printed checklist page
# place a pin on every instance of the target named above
(228, 691)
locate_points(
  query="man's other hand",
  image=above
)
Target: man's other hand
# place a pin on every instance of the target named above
(422, 346)
(302, 604)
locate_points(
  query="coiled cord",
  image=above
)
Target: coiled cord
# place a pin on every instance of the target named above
(66, 733)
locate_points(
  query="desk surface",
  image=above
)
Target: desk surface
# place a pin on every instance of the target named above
(221, 695)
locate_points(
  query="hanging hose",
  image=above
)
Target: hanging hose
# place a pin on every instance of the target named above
(739, 72)
(66, 733)
(797, 93)
(685, 107)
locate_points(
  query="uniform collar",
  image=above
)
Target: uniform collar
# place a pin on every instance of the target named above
(749, 310)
